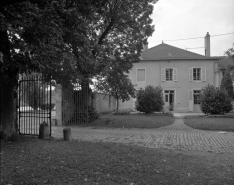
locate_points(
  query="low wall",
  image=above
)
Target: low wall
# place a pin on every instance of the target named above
(104, 102)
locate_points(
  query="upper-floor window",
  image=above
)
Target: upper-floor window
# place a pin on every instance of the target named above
(169, 74)
(196, 74)
(140, 75)
(196, 97)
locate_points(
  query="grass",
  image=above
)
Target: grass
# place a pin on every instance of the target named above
(33, 161)
(211, 123)
(133, 121)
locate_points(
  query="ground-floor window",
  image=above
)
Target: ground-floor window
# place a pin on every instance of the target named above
(196, 97)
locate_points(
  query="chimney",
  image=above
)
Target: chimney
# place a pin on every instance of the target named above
(207, 45)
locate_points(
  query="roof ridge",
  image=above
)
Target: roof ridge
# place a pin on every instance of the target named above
(168, 51)
(152, 47)
(185, 50)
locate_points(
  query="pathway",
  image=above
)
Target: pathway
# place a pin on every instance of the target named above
(176, 136)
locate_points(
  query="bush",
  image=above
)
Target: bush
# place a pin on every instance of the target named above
(226, 84)
(149, 99)
(123, 112)
(215, 100)
(92, 114)
(47, 106)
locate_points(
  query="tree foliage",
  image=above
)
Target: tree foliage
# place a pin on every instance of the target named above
(230, 54)
(118, 85)
(227, 84)
(68, 40)
(215, 100)
(150, 99)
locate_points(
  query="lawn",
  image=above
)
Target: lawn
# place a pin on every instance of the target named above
(211, 123)
(133, 121)
(33, 161)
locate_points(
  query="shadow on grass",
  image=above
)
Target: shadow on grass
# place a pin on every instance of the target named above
(34, 161)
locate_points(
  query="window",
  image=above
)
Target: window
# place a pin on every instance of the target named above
(196, 97)
(166, 98)
(169, 74)
(140, 75)
(196, 74)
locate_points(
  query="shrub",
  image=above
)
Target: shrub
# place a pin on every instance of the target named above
(92, 114)
(226, 84)
(47, 106)
(84, 116)
(123, 112)
(214, 100)
(149, 99)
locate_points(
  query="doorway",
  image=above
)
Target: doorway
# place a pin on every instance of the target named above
(169, 99)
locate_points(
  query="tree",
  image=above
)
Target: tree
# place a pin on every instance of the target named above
(227, 84)
(31, 40)
(118, 85)
(214, 100)
(230, 54)
(68, 41)
(149, 99)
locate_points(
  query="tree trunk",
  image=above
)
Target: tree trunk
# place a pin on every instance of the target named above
(8, 89)
(8, 112)
(117, 107)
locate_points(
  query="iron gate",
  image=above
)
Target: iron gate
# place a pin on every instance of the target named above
(75, 105)
(34, 104)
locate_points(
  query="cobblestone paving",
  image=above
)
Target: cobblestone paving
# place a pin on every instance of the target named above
(176, 136)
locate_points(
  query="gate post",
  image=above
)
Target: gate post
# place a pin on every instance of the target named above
(58, 105)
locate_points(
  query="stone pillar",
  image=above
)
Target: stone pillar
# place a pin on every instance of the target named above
(58, 98)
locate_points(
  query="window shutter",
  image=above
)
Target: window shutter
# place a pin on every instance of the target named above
(163, 74)
(140, 75)
(203, 73)
(190, 74)
(175, 74)
(190, 100)
(190, 95)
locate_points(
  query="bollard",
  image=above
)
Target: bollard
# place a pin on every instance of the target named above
(67, 134)
(44, 131)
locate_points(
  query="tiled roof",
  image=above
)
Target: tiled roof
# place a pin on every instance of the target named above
(168, 52)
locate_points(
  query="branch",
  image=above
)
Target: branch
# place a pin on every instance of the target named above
(105, 33)
(9, 2)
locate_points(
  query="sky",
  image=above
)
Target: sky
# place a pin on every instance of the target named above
(182, 19)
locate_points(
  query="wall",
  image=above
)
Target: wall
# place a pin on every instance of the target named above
(181, 86)
(104, 102)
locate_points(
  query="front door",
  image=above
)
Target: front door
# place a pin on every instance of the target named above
(169, 99)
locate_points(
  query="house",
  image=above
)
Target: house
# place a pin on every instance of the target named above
(181, 74)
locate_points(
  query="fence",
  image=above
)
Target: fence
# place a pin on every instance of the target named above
(75, 105)
(34, 102)
(78, 105)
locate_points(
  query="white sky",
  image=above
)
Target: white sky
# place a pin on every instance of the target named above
(182, 19)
